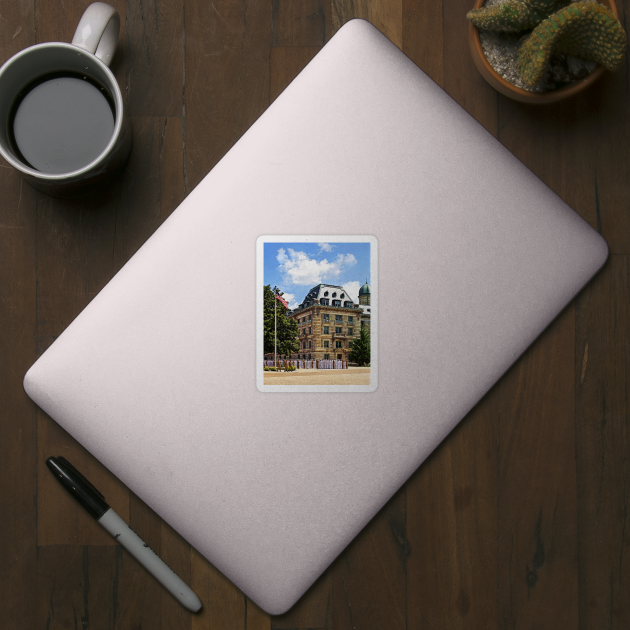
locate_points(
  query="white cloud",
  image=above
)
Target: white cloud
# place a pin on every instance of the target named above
(352, 289)
(325, 247)
(290, 298)
(301, 270)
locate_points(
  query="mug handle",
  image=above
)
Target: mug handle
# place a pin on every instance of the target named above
(98, 30)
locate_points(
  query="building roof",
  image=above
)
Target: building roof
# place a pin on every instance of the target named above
(328, 291)
(365, 289)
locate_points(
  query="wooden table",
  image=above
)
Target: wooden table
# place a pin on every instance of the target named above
(518, 520)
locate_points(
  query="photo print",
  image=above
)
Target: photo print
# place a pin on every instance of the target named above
(316, 313)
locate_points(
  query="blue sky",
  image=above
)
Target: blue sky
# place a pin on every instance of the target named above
(296, 267)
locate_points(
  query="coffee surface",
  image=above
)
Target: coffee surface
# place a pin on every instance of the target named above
(62, 124)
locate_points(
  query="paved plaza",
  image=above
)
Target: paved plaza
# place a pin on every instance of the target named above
(351, 376)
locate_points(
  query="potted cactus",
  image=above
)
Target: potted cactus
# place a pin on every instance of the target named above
(557, 49)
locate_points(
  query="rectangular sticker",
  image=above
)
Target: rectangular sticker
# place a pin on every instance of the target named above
(316, 313)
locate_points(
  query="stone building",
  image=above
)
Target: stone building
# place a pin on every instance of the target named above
(329, 321)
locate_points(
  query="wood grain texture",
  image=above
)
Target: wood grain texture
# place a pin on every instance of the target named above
(518, 520)
(18, 416)
(76, 587)
(300, 23)
(369, 577)
(151, 605)
(602, 380)
(537, 510)
(226, 78)
(422, 36)
(452, 516)
(285, 64)
(461, 79)
(386, 15)
(313, 610)
(154, 57)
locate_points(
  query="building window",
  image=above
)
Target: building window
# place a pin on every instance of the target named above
(334, 295)
(350, 331)
(326, 344)
(338, 344)
(336, 302)
(350, 319)
(309, 345)
(338, 318)
(343, 295)
(348, 304)
(350, 343)
(326, 356)
(325, 330)
(309, 318)
(326, 317)
(338, 330)
(326, 293)
(324, 302)
(309, 331)
(309, 356)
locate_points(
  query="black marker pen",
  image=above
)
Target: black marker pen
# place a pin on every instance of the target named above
(94, 502)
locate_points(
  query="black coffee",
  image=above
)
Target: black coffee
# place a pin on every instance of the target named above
(61, 123)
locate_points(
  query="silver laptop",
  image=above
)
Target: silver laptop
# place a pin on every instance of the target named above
(363, 179)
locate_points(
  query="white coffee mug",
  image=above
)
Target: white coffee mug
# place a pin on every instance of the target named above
(62, 114)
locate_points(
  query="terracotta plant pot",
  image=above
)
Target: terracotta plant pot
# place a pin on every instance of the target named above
(519, 94)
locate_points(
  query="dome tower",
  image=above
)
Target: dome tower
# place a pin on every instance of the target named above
(365, 294)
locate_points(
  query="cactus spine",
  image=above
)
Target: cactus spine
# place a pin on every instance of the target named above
(583, 29)
(513, 16)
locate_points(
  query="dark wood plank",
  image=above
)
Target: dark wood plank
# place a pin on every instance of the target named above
(313, 610)
(152, 185)
(461, 78)
(576, 148)
(76, 587)
(386, 15)
(18, 421)
(422, 36)
(603, 443)
(608, 136)
(226, 78)
(18, 416)
(60, 519)
(537, 537)
(285, 64)
(452, 527)
(369, 577)
(142, 600)
(300, 23)
(224, 606)
(17, 28)
(154, 57)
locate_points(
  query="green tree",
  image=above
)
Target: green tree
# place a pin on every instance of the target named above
(361, 352)
(287, 336)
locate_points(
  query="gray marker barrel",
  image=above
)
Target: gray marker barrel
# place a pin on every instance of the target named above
(149, 559)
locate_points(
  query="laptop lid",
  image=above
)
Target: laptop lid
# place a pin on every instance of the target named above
(363, 172)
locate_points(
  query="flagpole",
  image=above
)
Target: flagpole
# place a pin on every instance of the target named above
(275, 330)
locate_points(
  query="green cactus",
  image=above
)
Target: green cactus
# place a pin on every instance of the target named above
(584, 29)
(513, 16)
